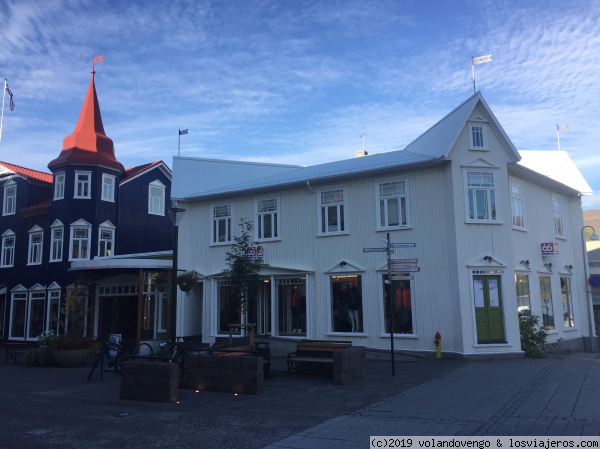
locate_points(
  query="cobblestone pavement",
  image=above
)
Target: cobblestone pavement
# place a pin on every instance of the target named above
(554, 396)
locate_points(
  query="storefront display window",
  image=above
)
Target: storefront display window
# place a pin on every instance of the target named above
(229, 308)
(567, 301)
(346, 304)
(291, 297)
(547, 307)
(401, 306)
(523, 299)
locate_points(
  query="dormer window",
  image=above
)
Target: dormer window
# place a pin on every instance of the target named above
(108, 188)
(478, 136)
(83, 184)
(156, 198)
(10, 198)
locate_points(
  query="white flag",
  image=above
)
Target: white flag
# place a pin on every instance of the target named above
(561, 127)
(481, 59)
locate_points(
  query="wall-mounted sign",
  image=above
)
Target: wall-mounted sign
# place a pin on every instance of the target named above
(550, 249)
(255, 253)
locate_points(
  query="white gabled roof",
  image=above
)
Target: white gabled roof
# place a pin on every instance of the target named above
(438, 140)
(556, 165)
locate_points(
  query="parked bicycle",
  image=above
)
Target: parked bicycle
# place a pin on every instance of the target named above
(112, 354)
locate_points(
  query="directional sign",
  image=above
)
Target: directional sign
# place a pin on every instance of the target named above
(404, 269)
(404, 261)
(400, 277)
(374, 250)
(384, 240)
(403, 245)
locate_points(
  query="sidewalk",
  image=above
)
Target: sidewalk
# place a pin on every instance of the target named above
(550, 396)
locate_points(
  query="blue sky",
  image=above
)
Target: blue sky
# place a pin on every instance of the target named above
(295, 81)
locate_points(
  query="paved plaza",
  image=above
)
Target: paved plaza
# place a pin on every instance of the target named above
(556, 395)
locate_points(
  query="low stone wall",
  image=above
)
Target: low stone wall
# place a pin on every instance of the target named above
(149, 381)
(349, 365)
(240, 374)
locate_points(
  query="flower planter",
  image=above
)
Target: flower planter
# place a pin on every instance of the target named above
(73, 357)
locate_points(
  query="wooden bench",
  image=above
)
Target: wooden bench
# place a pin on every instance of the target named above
(15, 349)
(314, 352)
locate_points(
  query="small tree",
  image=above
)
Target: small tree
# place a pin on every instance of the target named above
(533, 336)
(73, 314)
(244, 271)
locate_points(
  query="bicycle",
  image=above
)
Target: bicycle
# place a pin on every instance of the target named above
(113, 352)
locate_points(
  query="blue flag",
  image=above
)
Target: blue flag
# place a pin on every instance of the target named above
(12, 103)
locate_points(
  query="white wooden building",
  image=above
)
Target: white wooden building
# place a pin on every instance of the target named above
(478, 218)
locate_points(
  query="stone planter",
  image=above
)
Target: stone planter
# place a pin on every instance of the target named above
(72, 357)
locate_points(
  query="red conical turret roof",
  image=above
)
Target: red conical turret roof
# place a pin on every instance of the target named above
(88, 144)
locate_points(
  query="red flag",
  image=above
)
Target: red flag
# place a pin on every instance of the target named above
(98, 59)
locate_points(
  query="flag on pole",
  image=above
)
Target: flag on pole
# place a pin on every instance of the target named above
(561, 127)
(98, 59)
(10, 94)
(183, 131)
(481, 59)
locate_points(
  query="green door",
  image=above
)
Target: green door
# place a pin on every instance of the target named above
(488, 309)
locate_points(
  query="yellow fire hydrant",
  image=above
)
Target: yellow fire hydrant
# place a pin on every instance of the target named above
(438, 345)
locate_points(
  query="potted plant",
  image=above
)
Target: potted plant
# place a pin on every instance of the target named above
(187, 279)
(72, 348)
(42, 355)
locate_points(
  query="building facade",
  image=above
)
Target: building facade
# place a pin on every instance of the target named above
(88, 211)
(478, 238)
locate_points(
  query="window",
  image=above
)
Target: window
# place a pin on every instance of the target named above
(35, 312)
(56, 241)
(108, 187)
(478, 136)
(228, 306)
(8, 249)
(59, 186)
(291, 297)
(523, 298)
(547, 307)
(567, 301)
(393, 204)
(156, 198)
(481, 196)
(80, 241)
(83, 182)
(36, 240)
(10, 198)
(401, 306)
(332, 214)
(267, 223)
(54, 317)
(516, 205)
(346, 304)
(557, 214)
(106, 238)
(17, 315)
(221, 224)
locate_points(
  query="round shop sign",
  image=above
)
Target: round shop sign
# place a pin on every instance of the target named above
(594, 280)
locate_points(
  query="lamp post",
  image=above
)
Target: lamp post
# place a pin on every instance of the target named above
(176, 214)
(588, 291)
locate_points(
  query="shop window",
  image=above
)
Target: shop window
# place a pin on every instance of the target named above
(567, 302)
(402, 300)
(523, 298)
(17, 315)
(35, 319)
(54, 317)
(228, 306)
(346, 304)
(291, 297)
(546, 299)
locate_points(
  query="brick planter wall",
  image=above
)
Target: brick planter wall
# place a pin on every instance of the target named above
(349, 365)
(224, 373)
(149, 381)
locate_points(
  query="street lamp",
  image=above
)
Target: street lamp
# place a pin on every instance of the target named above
(588, 291)
(176, 214)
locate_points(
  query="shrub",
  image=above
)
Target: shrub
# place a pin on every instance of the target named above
(533, 336)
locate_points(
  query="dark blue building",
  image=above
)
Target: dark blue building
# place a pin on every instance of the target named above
(89, 226)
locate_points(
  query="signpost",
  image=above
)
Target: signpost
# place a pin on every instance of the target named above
(395, 266)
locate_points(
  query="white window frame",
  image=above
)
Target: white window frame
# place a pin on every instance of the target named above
(332, 200)
(9, 205)
(221, 215)
(36, 294)
(106, 245)
(478, 136)
(473, 190)
(108, 187)
(383, 203)
(557, 216)
(83, 185)
(36, 246)
(8, 252)
(516, 205)
(53, 316)
(266, 211)
(84, 243)
(56, 241)
(156, 198)
(59, 185)
(18, 294)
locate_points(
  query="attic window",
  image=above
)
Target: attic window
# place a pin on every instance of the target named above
(478, 136)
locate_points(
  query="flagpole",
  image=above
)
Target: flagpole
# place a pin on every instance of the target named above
(179, 143)
(558, 137)
(2, 117)
(473, 67)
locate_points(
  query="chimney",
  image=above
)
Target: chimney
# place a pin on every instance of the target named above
(361, 153)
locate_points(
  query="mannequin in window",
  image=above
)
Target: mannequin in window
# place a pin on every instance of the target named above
(296, 306)
(352, 299)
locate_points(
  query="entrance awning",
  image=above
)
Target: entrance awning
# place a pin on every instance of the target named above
(121, 263)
